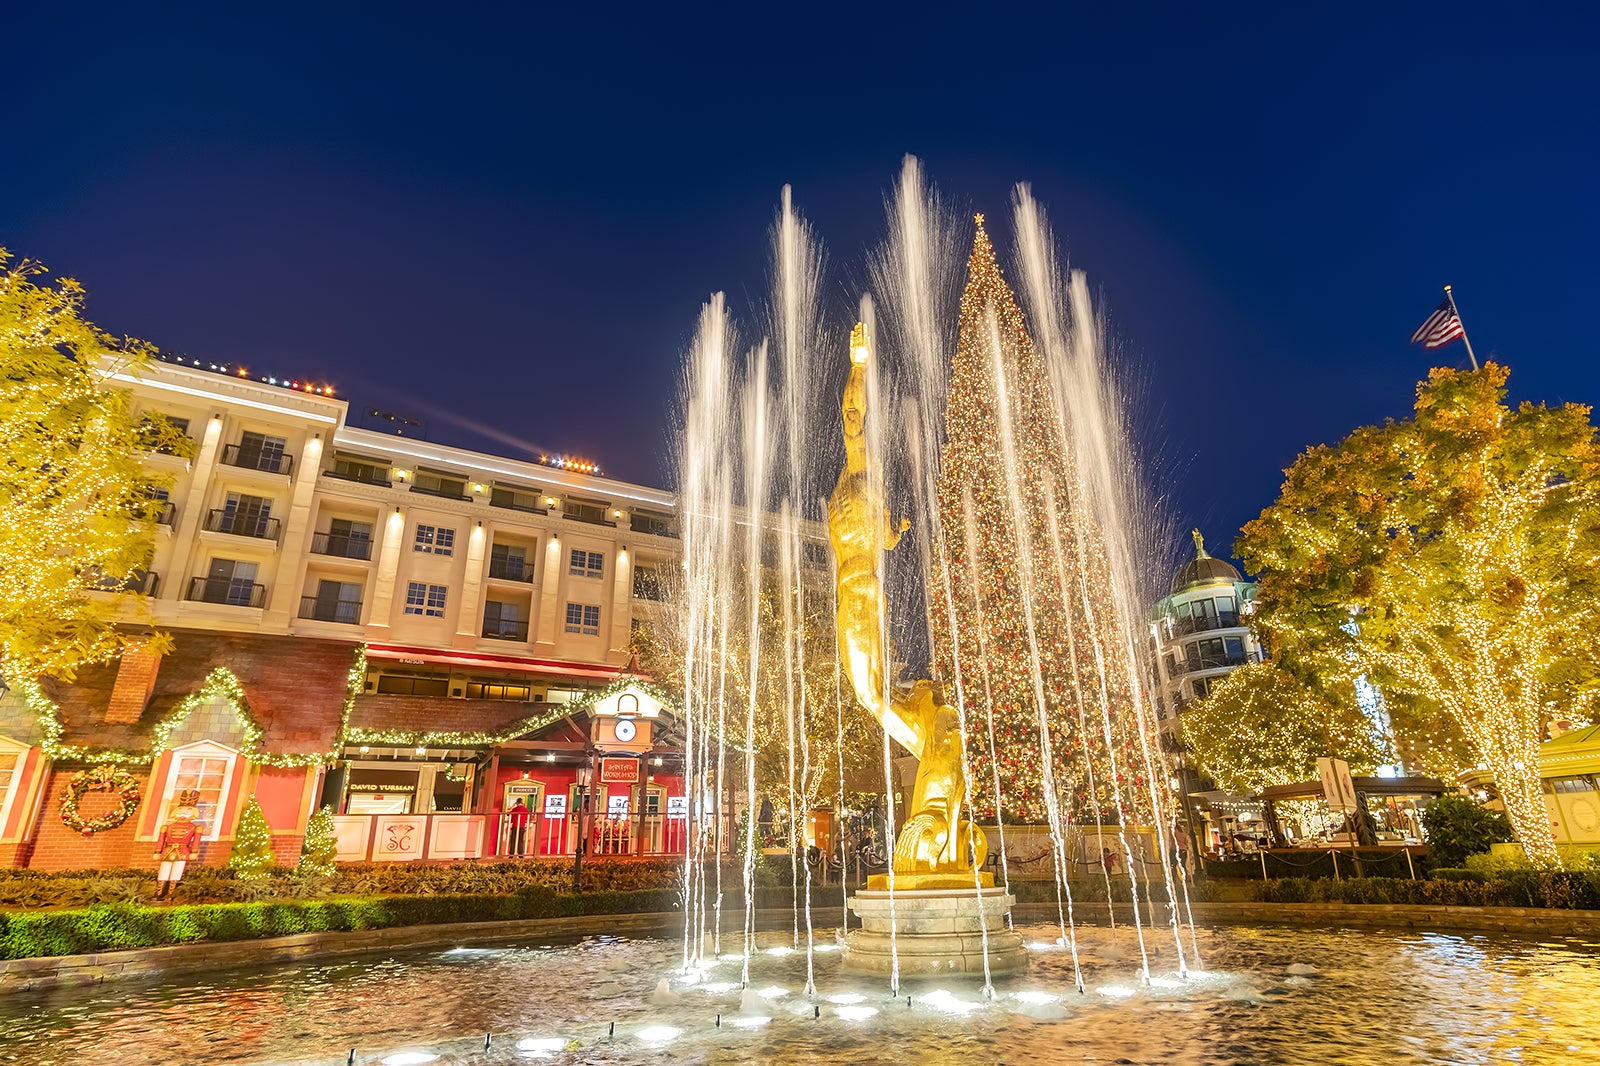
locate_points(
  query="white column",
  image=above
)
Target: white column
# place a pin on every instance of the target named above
(382, 613)
(184, 553)
(549, 597)
(469, 621)
(621, 605)
(284, 600)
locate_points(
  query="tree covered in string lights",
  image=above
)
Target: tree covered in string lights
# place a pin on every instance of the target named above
(77, 509)
(1260, 725)
(251, 857)
(999, 560)
(320, 849)
(1455, 558)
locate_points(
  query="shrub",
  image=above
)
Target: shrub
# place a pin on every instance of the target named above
(31, 934)
(1458, 827)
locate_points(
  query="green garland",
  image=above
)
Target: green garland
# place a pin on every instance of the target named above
(521, 727)
(107, 777)
(223, 684)
(220, 684)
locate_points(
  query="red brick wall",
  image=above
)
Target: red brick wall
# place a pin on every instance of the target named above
(55, 847)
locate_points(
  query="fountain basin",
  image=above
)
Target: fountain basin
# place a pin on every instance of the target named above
(933, 932)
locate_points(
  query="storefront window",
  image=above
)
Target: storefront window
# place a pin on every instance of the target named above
(381, 791)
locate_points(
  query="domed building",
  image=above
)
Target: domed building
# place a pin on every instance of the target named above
(1199, 634)
(1201, 631)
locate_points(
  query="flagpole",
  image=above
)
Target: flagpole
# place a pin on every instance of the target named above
(1452, 298)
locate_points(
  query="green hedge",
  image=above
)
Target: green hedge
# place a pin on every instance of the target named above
(217, 884)
(33, 934)
(1570, 889)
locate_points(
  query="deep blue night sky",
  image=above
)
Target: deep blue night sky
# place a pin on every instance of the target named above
(515, 217)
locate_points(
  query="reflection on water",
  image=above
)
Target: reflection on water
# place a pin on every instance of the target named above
(1267, 996)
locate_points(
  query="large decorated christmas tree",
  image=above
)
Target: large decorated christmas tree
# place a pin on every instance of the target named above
(1026, 570)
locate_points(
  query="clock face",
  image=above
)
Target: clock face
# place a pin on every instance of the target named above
(625, 729)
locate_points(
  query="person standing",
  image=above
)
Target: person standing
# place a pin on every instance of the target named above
(520, 816)
(1180, 848)
(177, 840)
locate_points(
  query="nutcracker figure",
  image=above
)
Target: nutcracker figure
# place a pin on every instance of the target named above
(178, 839)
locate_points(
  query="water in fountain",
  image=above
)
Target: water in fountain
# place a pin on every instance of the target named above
(1065, 736)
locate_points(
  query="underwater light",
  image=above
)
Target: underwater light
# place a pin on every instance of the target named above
(751, 1021)
(941, 999)
(772, 992)
(856, 1014)
(407, 1058)
(846, 997)
(541, 1043)
(780, 952)
(659, 1034)
(1115, 991)
(1033, 996)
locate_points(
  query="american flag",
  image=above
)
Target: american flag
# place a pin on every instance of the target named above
(1442, 327)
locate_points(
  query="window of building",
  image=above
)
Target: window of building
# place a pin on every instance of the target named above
(425, 599)
(516, 499)
(647, 584)
(586, 512)
(509, 562)
(514, 691)
(439, 485)
(229, 581)
(246, 515)
(364, 471)
(504, 621)
(659, 525)
(207, 768)
(11, 756)
(335, 601)
(259, 451)
(436, 540)
(587, 563)
(415, 683)
(583, 618)
(1201, 687)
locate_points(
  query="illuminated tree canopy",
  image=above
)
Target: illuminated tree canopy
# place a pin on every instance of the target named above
(1464, 544)
(1262, 726)
(77, 509)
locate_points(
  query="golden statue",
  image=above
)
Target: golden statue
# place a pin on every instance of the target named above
(937, 847)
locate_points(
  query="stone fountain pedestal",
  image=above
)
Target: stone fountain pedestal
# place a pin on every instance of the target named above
(937, 931)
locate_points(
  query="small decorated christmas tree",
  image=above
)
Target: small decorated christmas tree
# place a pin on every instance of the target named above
(321, 845)
(252, 846)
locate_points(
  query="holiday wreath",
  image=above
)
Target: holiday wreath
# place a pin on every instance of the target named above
(104, 778)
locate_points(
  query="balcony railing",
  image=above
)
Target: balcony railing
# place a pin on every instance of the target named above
(510, 570)
(257, 459)
(167, 514)
(359, 477)
(595, 517)
(242, 524)
(505, 629)
(1208, 662)
(317, 609)
(342, 545)
(235, 592)
(1184, 626)
(140, 581)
